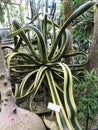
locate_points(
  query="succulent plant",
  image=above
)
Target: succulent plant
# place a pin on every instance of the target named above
(32, 68)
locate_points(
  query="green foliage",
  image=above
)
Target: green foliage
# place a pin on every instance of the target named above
(1, 14)
(77, 3)
(82, 31)
(82, 40)
(33, 68)
(87, 92)
(10, 11)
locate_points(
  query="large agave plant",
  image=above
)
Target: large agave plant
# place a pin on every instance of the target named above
(31, 68)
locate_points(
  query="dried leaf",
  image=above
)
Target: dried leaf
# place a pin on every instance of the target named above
(50, 124)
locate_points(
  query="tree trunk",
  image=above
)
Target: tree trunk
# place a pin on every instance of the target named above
(67, 13)
(93, 55)
(67, 9)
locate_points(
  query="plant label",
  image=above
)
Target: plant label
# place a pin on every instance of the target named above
(53, 107)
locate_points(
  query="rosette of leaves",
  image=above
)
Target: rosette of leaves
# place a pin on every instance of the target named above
(31, 68)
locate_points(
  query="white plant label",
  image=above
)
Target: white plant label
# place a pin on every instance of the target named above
(53, 107)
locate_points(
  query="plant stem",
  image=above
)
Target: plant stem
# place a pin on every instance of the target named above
(87, 121)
